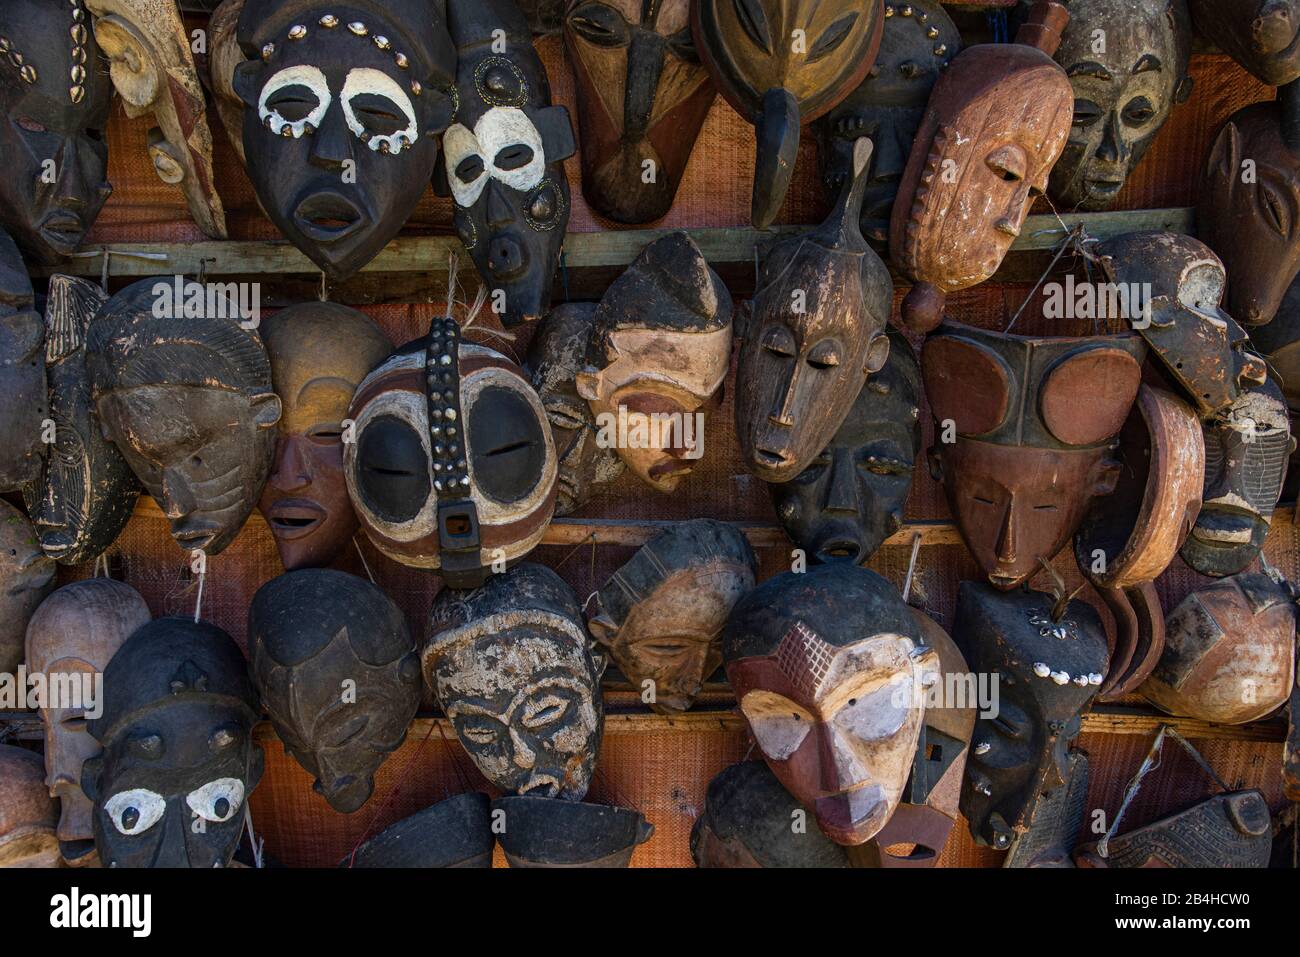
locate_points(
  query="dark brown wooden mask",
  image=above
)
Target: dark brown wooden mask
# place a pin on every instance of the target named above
(1122, 94)
(28, 815)
(995, 124)
(503, 158)
(918, 42)
(1229, 830)
(1048, 658)
(642, 98)
(456, 832)
(817, 330)
(342, 109)
(28, 576)
(1025, 430)
(1258, 34)
(545, 832)
(22, 372)
(782, 63)
(1058, 819)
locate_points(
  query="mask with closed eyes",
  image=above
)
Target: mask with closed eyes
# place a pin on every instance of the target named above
(642, 99)
(336, 669)
(22, 373)
(26, 577)
(27, 814)
(995, 124)
(783, 63)
(342, 107)
(1258, 34)
(503, 160)
(177, 733)
(453, 466)
(918, 42)
(512, 667)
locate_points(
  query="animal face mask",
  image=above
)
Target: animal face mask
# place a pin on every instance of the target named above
(829, 672)
(336, 669)
(642, 98)
(1258, 34)
(28, 576)
(319, 354)
(511, 665)
(27, 814)
(343, 105)
(22, 372)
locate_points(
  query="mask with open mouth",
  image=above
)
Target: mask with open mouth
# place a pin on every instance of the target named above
(55, 95)
(513, 669)
(658, 356)
(995, 124)
(320, 352)
(781, 64)
(1262, 35)
(26, 577)
(71, 638)
(1032, 423)
(342, 108)
(22, 374)
(188, 401)
(28, 815)
(642, 99)
(918, 42)
(336, 669)
(1122, 95)
(661, 615)
(453, 466)
(831, 677)
(177, 733)
(850, 499)
(503, 160)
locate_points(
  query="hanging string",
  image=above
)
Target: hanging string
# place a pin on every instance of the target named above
(255, 842)
(324, 293)
(402, 778)
(998, 27)
(198, 604)
(911, 566)
(364, 564)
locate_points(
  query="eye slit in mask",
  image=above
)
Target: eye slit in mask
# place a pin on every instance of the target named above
(304, 94)
(375, 106)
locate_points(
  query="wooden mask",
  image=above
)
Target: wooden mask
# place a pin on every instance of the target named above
(320, 352)
(918, 42)
(1034, 422)
(995, 125)
(453, 466)
(512, 667)
(224, 57)
(1258, 34)
(748, 821)
(831, 676)
(22, 371)
(336, 669)
(1048, 657)
(850, 499)
(557, 352)
(543, 832)
(26, 577)
(72, 637)
(1279, 343)
(1229, 652)
(503, 159)
(1229, 830)
(783, 63)
(1053, 830)
(661, 615)
(456, 832)
(177, 733)
(87, 492)
(816, 331)
(642, 99)
(659, 355)
(1122, 95)
(341, 114)
(189, 404)
(55, 93)
(148, 50)
(28, 815)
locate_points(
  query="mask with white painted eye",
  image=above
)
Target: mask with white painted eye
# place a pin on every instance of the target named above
(217, 801)
(295, 98)
(134, 812)
(375, 106)
(504, 145)
(778, 724)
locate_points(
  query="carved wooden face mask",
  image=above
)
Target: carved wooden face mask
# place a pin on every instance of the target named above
(1258, 34)
(1226, 831)
(817, 330)
(320, 352)
(659, 353)
(542, 832)
(661, 615)
(27, 814)
(995, 125)
(189, 404)
(504, 158)
(456, 832)
(72, 637)
(177, 732)
(642, 98)
(343, 105)
(918, 42)
(1034, 420)
(830, 673)
(55, 93)
(27, 576)
(781, 63)
(453, 466)
(850, 498)
(1048, 670)
(557, 352)
(22, 372)
(1122, 95)
(336, 669)
(512, 667)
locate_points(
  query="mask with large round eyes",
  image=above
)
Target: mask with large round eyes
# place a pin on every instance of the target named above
(507, 442)
(135, 811)
(217, 801)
